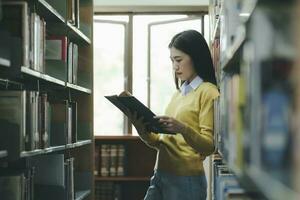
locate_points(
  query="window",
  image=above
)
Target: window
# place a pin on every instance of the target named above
(152, 77)
(109, 48)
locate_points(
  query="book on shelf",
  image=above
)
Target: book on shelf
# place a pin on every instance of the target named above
(44, 120)
(110, 160)
(125, 101)
(13, 122)
(96, 160)
(27, 35)
(121, 160)
(15, 19)
(63, 122)
(69, 179)
(113, 160)
(16, 184)
(56, 56)
(37, 36)
(49, 169)
(105, 159)
(72, 63)
(53, 176)
(29, 110)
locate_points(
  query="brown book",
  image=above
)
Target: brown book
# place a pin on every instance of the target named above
(125, 101)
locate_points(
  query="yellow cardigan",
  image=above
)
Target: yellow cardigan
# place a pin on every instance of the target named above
(183, 154)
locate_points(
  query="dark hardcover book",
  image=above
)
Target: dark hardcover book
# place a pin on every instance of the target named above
(59, 123)
(125, 101)
(12, 185)
(15, 20)
(13, 109)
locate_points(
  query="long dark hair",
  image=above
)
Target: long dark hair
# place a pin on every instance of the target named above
(193, 43)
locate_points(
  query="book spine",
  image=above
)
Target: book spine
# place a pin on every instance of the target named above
(105, 156)
(113, 160)
(121, 160)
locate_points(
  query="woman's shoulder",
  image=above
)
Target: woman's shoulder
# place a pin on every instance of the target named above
(209, 89)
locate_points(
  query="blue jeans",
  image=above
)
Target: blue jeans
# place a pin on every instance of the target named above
(165, 186)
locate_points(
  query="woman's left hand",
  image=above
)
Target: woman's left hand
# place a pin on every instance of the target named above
(171, 124)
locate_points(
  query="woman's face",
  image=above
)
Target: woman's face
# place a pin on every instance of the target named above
(182, 65)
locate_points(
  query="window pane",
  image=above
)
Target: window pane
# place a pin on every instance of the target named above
(162, 79)
(140, 48)
(108, 76)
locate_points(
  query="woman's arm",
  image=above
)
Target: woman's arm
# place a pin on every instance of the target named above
(201, 140)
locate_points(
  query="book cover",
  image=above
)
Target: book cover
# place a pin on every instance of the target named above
(126, 101)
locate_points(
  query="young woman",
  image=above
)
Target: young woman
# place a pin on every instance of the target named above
(178, 172)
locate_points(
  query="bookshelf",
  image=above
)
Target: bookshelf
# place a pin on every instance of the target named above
(47, 143)
(255, 56)
(138, 165)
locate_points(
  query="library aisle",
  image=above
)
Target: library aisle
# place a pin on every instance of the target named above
(255, 48)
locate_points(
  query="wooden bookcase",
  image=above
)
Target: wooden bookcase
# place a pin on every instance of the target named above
(27, 164)
(256, 76)
(138, 165)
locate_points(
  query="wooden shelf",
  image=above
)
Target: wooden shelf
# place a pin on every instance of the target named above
(39, 75)
(50, 79)
(78, 144)
(3, 153)
(122, 178)
(269, 186)
(62, 26)
(48, 12)
(80, 195)
(53, 149)
(79, 88)
(77, 35)
(118, 137)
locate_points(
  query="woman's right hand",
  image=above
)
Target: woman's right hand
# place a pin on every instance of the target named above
(138, 123)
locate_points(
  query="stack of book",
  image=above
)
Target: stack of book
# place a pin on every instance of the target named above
(110, 160)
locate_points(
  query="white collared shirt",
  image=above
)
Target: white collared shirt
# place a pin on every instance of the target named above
(185, 88)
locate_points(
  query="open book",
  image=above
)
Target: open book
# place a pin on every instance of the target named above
(126, 101)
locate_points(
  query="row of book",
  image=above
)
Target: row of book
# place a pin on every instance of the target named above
(225, 185)
(108, 191)
(32, 121)
(25, 37)
(110, 160)
(256, 110)
(46, 177)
